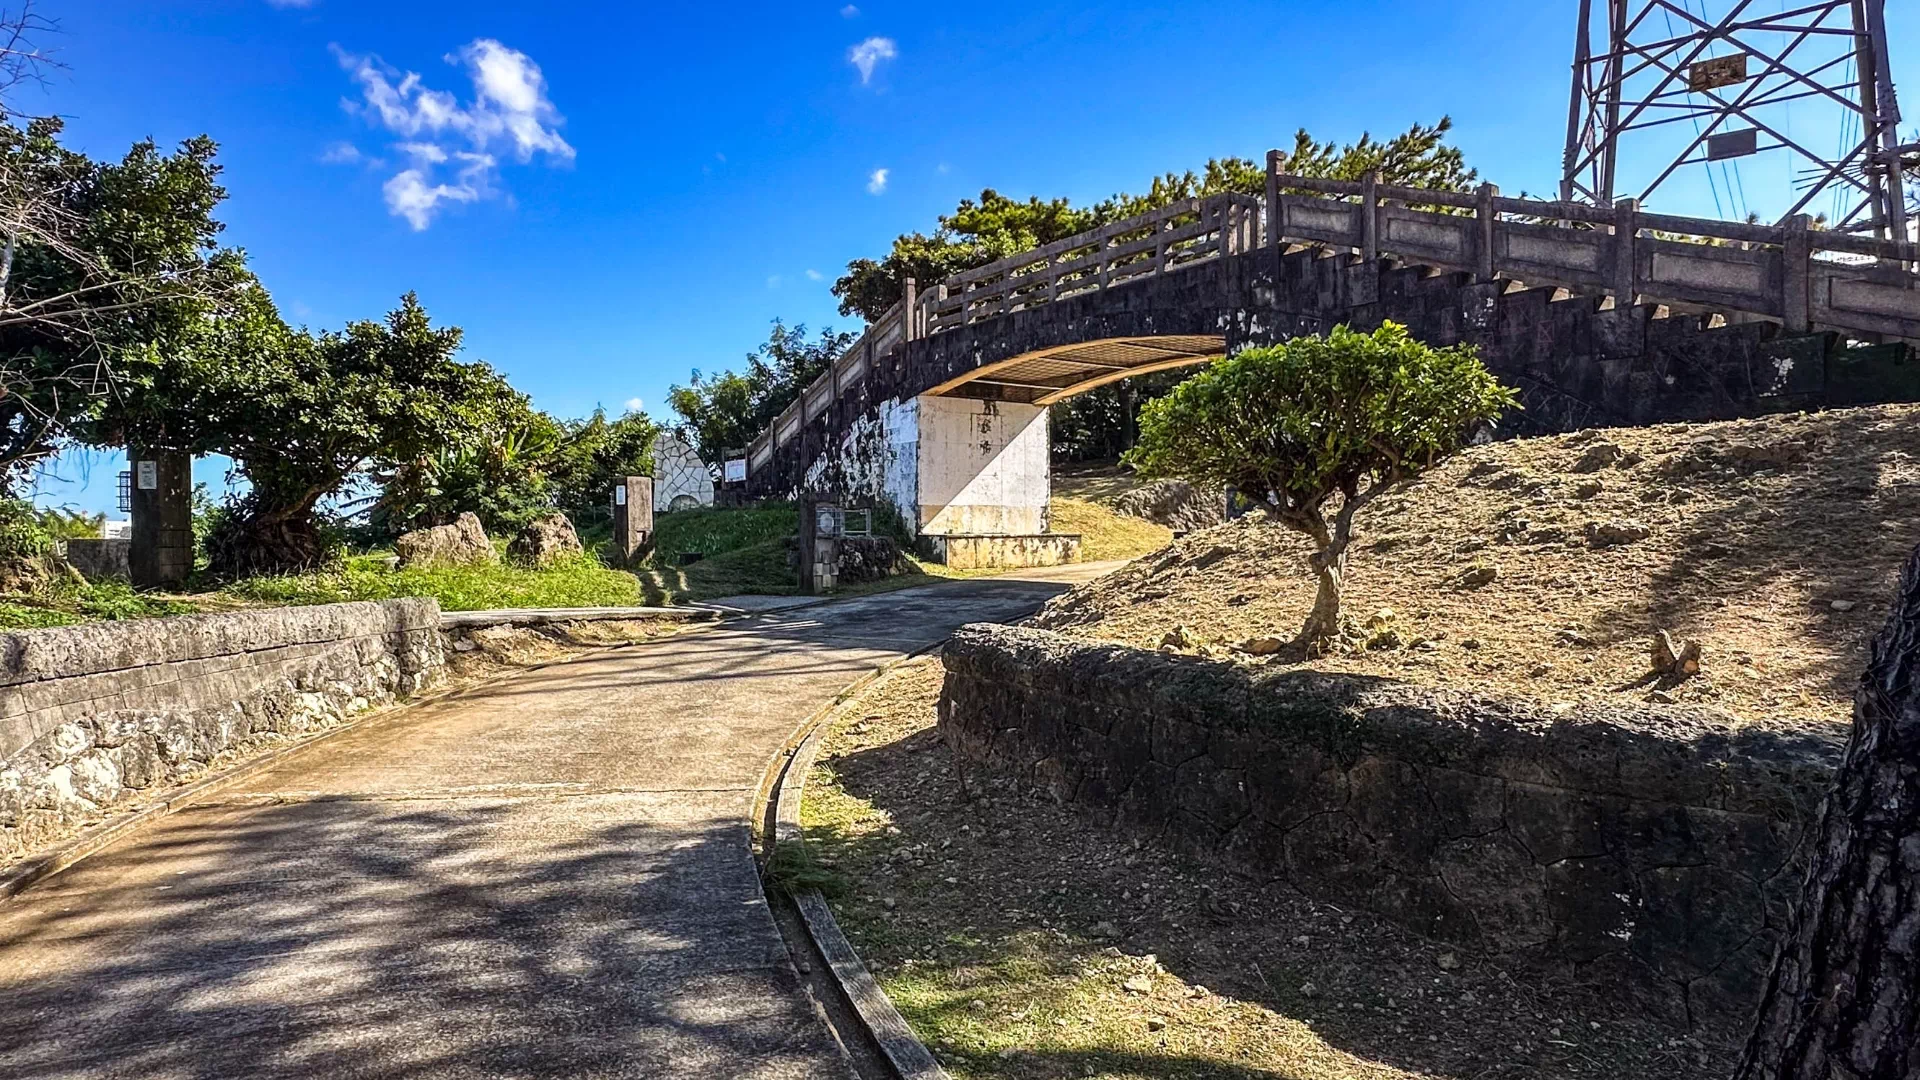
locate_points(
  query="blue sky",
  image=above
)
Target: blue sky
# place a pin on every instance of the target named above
(676, 176)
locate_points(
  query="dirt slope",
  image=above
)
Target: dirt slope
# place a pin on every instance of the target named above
(1544, 566)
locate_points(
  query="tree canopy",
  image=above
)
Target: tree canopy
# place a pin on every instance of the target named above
(995, 226)
(729, 410)
(1293, 426)
(104, 267)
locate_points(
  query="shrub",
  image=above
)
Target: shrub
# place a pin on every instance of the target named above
(1293, 425)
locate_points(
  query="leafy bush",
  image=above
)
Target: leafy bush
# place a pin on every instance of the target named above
(1291, 426)
(23, 535)
(68, 523)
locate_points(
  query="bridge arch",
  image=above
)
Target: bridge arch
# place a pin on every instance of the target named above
(1050, 375)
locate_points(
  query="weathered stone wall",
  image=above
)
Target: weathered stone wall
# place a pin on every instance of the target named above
(93, 715)
(1649, 848)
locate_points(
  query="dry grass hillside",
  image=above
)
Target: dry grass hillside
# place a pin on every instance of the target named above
(1544, 567)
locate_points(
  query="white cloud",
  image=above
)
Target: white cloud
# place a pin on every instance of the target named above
(773, 281)
(868, 54)
(413, 194)
(877, 181)
(342, 153)
(509, 112)
(815, 275)
(849, 12)
(634, 404)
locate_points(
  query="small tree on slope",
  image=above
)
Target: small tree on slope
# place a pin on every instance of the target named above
(1294, 425)
(1844, 997)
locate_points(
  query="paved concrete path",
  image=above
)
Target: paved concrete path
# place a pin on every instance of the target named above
(548, 878)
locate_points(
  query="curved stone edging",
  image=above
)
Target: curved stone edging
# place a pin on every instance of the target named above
(904, 1053)
(98, 837)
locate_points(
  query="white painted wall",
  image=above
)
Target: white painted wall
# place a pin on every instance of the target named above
(983, 467)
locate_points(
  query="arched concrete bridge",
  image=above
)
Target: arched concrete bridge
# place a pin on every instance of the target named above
(1600, 316)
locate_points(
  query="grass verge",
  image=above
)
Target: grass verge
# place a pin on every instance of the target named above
(1023, 940)
(581, 582)
(1105, 534)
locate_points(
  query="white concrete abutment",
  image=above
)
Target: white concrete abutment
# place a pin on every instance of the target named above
(971, 478)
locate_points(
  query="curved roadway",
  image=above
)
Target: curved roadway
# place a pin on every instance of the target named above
(550, 877)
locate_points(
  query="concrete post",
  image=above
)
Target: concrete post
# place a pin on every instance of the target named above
(161, 554)
(633, 518)
(1626, 266)
(1483, 209)
(1370, 218)
(1275, 159)
(1796, 279)
(909, 298)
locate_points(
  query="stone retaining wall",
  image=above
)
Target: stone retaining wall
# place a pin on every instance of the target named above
(95, 714)
(1649, 848)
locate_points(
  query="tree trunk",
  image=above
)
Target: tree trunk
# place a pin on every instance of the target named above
(1323, 623)
(1844, 997)
(254, 542)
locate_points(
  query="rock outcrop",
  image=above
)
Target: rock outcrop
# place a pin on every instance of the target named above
(545, 541)
(463, 543)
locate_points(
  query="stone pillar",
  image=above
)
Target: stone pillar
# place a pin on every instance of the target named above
(161, 554)
(633, 517)
(819, 546)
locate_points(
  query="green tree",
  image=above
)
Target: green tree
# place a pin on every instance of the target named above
(303, 415)
(1295, 425)
(729, 410)
(103, 266)
(594, 454)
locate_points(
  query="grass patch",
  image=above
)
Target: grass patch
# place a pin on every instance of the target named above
(65, 605)
(712, 531)
(1105, 534)
(579, 582)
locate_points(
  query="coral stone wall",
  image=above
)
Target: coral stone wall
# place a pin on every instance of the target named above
(1651, 848)
(94, 715)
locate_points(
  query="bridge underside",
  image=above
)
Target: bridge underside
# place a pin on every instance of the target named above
(1045, 376)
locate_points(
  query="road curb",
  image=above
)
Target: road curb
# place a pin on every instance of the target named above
(784, 786)
(96, 838)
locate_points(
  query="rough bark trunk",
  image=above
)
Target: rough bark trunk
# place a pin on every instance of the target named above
(251, 543)
(1844, 997)
(1323, 622)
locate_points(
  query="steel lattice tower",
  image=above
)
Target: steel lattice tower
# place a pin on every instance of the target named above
(1660, 63)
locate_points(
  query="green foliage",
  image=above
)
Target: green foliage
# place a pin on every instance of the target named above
(594, 454)
(579, 582)
(117, 600)
(70, 523)
(499, 468)
(303, 414)
(1318, 416)
(978, 233)
(23, 535)
(1294, 425)
(110, 264)
(727, 411)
